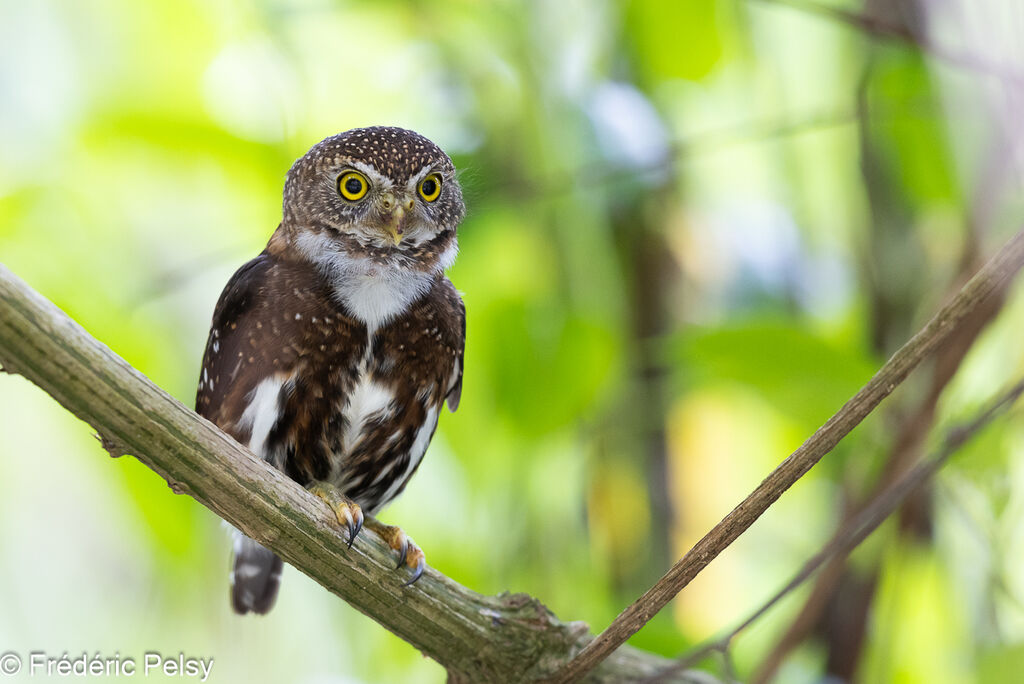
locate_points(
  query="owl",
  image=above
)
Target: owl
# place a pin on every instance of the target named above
(332, 353)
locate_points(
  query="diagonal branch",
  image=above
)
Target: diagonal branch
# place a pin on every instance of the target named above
(989, 279)
(861, 525)
(509, 637)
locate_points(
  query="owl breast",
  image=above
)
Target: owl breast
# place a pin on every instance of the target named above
(362, 401)
(299, 376)
(381, 433)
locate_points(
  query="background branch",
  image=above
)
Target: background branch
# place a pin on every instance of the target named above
(860, 526)
(989, 279)
(874, 26)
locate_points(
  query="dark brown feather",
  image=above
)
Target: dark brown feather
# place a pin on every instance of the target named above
(278, 318)
(288, 366)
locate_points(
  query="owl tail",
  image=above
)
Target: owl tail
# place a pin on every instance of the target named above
(255, 577)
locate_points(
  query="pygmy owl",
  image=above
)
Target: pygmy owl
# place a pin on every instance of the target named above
(332, 352)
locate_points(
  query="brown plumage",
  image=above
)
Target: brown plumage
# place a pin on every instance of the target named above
(332, 352)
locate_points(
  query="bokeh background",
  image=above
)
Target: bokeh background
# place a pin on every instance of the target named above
(695, 228)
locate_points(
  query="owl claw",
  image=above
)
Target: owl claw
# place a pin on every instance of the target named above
(408, 553)
(417, 571)
(354, 527)
(345, 509)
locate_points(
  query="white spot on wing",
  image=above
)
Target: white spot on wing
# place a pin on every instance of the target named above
(261, 413)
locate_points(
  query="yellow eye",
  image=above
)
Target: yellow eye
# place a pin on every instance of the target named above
(430, 187)
(352, 185)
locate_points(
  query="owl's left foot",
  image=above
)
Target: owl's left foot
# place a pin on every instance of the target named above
(345, 509)
(408, 553)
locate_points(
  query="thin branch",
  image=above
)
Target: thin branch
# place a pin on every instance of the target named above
(962, 59)
(990, 278)
(858, 528)
(509, 637)
(907, 448)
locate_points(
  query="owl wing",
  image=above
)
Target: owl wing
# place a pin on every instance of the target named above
(228, 378)
(456, 340)
(234, 363)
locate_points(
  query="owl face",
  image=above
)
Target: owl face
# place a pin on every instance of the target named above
(386, 193)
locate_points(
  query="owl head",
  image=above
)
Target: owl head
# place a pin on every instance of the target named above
(384, 194)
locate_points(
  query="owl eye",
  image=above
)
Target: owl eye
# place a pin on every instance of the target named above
(352, 185)
(430, 187)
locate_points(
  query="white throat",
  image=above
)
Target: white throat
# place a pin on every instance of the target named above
(372, 292)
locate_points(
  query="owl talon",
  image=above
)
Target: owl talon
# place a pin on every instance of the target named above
(345, 509)
(408, 553)
(417, 572)
(413, 557)
(353, 528)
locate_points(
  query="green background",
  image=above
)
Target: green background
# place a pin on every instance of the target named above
(695, 228)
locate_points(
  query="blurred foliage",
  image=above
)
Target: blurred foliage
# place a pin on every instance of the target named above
(695, 228)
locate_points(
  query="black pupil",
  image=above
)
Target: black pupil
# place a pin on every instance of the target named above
(354, 186)
(429, 186)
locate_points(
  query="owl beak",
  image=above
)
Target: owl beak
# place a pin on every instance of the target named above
(395, 232)
(394, 213)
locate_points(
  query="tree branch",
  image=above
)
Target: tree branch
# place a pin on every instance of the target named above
(509, 637)
(861, 525)
(990, 278)
(907, 446)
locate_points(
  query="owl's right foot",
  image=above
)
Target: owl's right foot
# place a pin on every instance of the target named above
(409, 554)
(347, 511)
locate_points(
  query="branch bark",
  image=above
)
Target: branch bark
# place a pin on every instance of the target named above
(509, 637)
(989, 279)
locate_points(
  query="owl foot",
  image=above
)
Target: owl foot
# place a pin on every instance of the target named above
(348, 512)
(408, 553)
